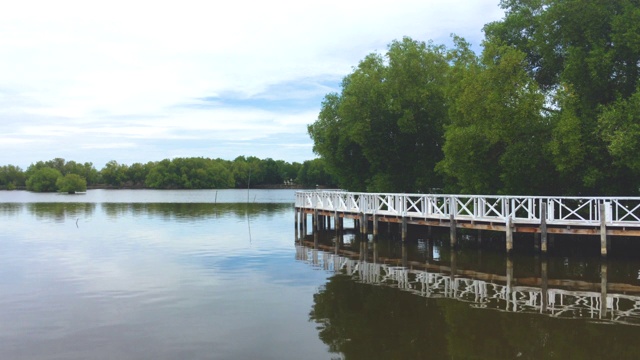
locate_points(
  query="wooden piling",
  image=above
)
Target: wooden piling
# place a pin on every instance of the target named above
(545, 283)
(316, 223)
(543, 227)
(509, 286)
(405, 255)
(509, 234)
(603, 290)
(404, 228)
(304, 223)
(453, 238)
(363, 223)
(375, 225)
(603, 230)
(375, 249)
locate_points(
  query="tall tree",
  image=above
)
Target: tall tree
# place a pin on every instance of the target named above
(585, 56)
(384, 131)
(498, 138)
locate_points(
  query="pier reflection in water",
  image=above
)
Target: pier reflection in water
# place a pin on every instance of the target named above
(426, 300)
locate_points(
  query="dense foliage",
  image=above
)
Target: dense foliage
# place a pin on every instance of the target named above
(71, 183)
(550, 106)
(178, 173)
(384, 131)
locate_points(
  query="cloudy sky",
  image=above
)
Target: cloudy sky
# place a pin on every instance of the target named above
(137, 81)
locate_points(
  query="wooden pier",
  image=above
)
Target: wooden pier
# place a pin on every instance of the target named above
(598, 216)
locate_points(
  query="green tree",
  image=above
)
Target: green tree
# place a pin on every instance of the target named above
(114, 174)
(137, 173)
(584, 56)
(86, 170)
(11, 177)
(43, 180)
(313, 173)
(384, 132)
(498, 138)
(71, 183)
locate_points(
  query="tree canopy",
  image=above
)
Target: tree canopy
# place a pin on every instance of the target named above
(550, 106)
(384, 131)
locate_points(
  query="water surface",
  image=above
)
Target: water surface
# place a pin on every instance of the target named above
(147, 274)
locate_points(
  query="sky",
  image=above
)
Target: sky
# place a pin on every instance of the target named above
(138, 81)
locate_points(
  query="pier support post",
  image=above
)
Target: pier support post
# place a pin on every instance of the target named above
(375, 249)
(453, 259)
(509, 283)
(453, 238)
(603, 230)
(544, 284)
(375, 225)
(316, 223)
(404, 228)
(543, 228)
(509, 235)
(363, 223)
(603, 289)
(405, 255)
(303, 214)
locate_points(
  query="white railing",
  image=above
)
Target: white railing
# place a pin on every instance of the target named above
(571, 211)
(556, 302)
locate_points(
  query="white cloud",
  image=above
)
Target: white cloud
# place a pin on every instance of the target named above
(130, 69)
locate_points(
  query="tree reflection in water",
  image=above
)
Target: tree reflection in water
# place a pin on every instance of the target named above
(362, 320)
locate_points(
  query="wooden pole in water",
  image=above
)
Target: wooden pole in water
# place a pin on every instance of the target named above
(375, 225)
(314, 219)
(603, 289)
(543, 227)
(363, 223)
(509, 282)
(603, 230)
(404, 228)
(453, 238)
(509, 234)
(375, 249)
(545, 284)
(304, 223)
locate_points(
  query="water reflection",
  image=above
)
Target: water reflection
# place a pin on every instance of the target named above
(171, 211)
(401, 307)
(60, 212)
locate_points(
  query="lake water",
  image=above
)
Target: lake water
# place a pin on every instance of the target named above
(143, 274)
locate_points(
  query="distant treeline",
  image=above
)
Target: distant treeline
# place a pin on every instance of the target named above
(178, 173)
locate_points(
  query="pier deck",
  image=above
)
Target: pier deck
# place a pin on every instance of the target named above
(604, 216)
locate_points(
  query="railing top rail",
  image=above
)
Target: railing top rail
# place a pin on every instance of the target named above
(586, 198)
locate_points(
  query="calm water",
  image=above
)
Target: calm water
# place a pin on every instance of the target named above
(207, 275)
